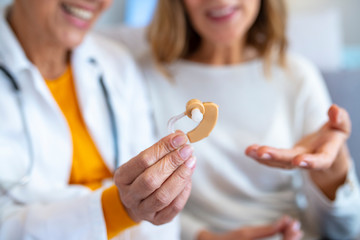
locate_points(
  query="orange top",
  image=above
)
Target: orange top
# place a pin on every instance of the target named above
(88, 167)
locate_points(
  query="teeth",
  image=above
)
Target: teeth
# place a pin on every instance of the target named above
(221, 12)
(79, 12)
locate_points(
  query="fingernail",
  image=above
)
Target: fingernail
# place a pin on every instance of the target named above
(296, 226)
(338, 118)
(253, 154)
(179, 140)
(266, 156)
(303, 164)
(186, 152)
(191, 162)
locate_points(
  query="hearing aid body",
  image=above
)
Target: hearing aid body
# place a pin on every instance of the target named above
(205, 114)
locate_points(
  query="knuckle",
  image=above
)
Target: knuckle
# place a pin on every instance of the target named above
(177, 207)
(145, 159)
(167, 146)
(163, 146)
(167, 167)
(150, 181)
(162, 199)
(184, 174)
(174, 161)
(127, 200)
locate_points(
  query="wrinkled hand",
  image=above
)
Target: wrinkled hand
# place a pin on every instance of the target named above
(316, 151)
(156, 184)
(287, 227)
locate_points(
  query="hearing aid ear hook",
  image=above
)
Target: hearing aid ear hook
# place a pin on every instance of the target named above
(205, 114)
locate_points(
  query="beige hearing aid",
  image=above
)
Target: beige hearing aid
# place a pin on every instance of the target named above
(206, 114)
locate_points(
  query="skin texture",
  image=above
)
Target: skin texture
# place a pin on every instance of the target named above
(48, 33)
(156, 184)
(324, 153)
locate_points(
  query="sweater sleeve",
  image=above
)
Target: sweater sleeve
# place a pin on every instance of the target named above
(337, 218)
(116, 217)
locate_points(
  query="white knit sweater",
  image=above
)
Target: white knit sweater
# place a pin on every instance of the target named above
(230, 189)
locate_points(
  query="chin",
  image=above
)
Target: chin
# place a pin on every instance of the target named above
(228, 40)
(71, 41)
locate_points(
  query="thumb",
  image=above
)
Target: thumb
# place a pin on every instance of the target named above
(339, 119)
(261, 231)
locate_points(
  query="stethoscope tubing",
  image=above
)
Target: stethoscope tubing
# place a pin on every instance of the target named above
(26, 178)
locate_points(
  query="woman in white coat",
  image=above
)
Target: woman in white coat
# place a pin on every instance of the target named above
(72, 110)
(234, 53)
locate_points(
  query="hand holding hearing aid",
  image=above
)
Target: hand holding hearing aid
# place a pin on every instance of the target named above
(206, 114)
(155, 184)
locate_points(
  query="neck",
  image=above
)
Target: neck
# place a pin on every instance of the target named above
(219, 55)
(50, 58)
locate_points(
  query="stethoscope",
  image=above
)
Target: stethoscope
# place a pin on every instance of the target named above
(26, 177)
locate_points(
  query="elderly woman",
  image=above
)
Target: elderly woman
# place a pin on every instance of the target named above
(72, 110)
(234, 53)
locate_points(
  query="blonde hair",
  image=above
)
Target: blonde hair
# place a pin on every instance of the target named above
(172, 37)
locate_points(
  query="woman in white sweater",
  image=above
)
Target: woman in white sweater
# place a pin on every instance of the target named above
(234, 53)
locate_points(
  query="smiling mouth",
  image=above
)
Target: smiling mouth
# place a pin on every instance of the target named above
(221, 12)
(78, 12)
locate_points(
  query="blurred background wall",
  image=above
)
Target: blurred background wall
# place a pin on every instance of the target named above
(349, 10)
(334, 23)
(325, 31)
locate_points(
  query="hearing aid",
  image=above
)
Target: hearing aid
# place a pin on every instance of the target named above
(206, 114)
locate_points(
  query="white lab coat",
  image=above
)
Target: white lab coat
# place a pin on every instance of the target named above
(48, 207)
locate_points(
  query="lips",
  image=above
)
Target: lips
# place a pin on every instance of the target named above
(221, 12)
(78, 12)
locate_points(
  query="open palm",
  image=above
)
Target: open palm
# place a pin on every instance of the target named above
(316, 151)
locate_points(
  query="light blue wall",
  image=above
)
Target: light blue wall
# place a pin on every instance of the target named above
(139, 13)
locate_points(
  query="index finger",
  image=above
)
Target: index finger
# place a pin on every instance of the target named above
(129, 171)
(324, 156)
(339, 119)
(271, 154)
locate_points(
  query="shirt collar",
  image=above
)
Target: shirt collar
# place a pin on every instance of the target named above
(11, 51)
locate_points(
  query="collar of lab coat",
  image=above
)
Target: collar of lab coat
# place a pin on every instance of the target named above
(86, 77)
(90, 97)
(11, 50)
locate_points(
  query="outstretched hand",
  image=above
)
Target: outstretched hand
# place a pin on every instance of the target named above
(316, 151)
(287, 227)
